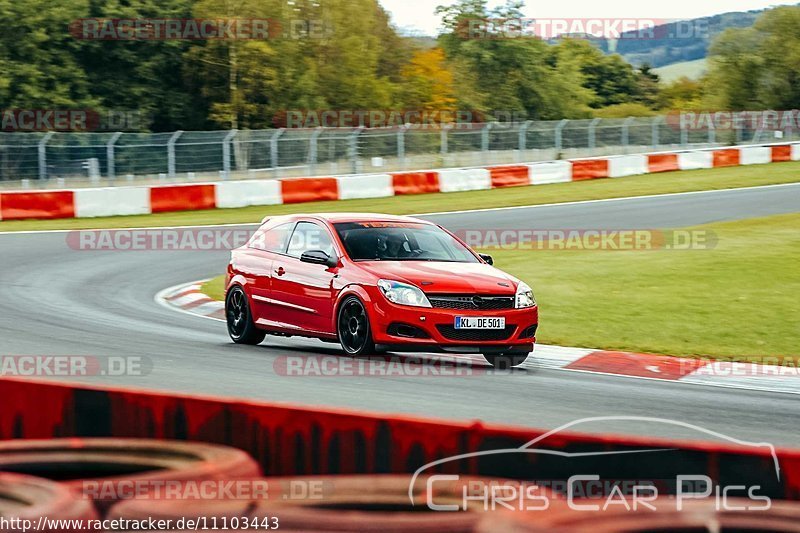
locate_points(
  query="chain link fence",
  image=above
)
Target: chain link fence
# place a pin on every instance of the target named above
(52, 159)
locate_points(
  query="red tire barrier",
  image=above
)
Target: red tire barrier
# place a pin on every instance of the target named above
(781, 153)
(300, 190)
(103, 469)
(695, 515)
(662, 162)
(182, 198)
(329, 503)
(29, 498)
(21, 205)
(510, 176)
(726, 158)
(589, 169)
(415, 182)
(295, 440)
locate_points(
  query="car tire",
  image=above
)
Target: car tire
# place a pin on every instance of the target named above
(353, 328)
(241, 327)
(506, 360)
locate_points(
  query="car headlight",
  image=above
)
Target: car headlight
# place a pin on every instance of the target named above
(524, 297)
(403, 293)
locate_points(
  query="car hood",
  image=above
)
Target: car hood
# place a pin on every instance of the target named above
(445, 278)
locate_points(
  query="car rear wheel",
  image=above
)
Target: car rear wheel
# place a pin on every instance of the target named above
(506, 360)
(240, 320)
(352, 324)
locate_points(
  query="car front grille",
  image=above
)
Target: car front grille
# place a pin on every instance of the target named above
(471, 302)
(450, 332)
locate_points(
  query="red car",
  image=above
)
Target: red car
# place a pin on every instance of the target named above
(376, 283)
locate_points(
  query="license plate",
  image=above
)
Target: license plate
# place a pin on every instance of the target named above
(480, 322)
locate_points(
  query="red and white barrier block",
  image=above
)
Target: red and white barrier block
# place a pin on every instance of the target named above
(139, 200)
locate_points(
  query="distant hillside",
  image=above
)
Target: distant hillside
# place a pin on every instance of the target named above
(691, 69)
(678, 42)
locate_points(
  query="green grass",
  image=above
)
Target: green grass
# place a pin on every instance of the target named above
(671, 182)
(214, 288)
(691, 69)
(736, 300)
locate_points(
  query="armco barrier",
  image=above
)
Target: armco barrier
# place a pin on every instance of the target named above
(550, 172)
(510, 176)
(415, 182)
(726, 158)
(57, 204)
(695, 160)
(627, 165)
(468, 179)
(299, 190)
(292, 440)
(229, 194)
(589, 169)
(182, 198)
(662, 163)
(246, 193)
(365, 186)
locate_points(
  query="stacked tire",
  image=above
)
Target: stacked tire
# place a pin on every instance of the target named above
(26, 498)
(374, 503)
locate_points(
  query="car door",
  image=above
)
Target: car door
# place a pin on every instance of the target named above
(304, 292)
(265, 246)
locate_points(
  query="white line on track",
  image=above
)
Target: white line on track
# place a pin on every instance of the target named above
(436, 213)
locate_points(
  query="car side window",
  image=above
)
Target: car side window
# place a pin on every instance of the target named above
(272, 240)
(309, 236)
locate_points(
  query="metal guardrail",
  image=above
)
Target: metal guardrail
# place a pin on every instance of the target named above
(213, 155)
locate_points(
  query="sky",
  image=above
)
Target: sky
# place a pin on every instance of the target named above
(418, 15)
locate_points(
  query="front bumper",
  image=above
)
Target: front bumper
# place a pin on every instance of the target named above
(431, 329)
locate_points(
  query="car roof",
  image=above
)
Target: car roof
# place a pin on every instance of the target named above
(334, 218)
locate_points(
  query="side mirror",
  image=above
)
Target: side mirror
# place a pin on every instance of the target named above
(318, 257)
(487, 258)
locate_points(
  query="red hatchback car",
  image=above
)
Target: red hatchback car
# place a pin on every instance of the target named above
(377, 283)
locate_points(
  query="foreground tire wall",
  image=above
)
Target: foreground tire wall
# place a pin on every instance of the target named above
(292, 441)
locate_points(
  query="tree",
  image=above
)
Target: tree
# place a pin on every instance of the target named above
(757, 67)
(494, 72)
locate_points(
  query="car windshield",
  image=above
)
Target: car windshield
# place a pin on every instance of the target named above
(401, 241)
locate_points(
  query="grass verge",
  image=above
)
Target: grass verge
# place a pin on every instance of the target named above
(739, 299)
(669, 182)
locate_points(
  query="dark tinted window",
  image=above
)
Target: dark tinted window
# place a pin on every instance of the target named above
(388, 241)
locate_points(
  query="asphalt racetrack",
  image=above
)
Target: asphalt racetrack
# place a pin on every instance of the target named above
(55, 300)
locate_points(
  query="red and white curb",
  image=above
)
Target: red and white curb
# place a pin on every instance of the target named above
(188, 298)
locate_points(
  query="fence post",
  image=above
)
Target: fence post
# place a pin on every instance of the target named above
(626, 133)
(485, 136)
(712, 133)
(559, 132)
(443, 139)
(523, 135)
(171, 153)
(684, 135)
(273, 147)
(226, 153)
(654, 130)
(592, 140)
(110, 158)
(42, 148)
(401, 146)
(352, 148)
(313, 150)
